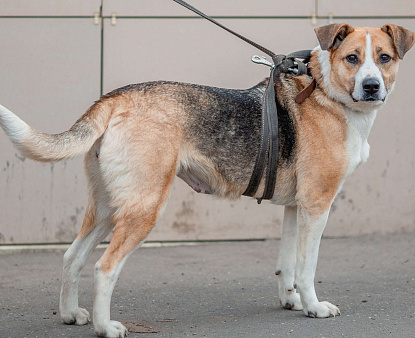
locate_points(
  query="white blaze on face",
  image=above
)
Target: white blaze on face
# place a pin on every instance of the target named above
(368, 69)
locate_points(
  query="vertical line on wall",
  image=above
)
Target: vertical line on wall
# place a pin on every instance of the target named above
(102, 50)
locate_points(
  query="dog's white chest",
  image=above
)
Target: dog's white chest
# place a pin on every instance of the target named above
(358, 129)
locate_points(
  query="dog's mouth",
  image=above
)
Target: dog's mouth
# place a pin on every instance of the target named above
(369, 98)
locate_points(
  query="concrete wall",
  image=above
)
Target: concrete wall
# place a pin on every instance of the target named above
(57, 57)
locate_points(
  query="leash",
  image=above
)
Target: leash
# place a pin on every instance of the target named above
(269, 148)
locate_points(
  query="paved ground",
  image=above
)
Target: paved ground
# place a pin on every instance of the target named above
(225, 289)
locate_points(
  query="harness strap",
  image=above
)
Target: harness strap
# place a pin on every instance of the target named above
(273, 149)
(306, 92)
(261, 159)
(269, 148)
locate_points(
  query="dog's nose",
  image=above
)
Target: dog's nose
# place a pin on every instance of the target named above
(370, 85)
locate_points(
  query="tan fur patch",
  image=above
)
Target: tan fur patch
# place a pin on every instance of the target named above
(342, 79)
(383, 44)
(134, 222)
(89, 220)
(322, 159)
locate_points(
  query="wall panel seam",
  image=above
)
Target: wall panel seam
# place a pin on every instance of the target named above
(46, 16)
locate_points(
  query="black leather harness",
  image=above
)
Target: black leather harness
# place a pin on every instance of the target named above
(268, 154)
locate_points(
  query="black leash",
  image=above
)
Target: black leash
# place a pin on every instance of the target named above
(269, 149)
(263, 49)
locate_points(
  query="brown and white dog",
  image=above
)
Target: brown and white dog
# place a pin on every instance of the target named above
(139, 137)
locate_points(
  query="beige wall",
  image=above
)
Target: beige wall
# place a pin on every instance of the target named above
(51, 72)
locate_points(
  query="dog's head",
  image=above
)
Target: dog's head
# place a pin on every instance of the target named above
(358, 65)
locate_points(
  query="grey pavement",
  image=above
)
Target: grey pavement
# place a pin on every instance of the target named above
(222, 289)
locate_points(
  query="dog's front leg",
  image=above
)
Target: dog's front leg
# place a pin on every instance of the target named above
(311, 223)
(285, 272)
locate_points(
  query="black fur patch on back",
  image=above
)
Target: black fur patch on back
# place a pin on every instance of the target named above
(227, 128)
(286, 133)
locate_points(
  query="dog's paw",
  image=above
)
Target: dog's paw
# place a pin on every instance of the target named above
(291, 301)
(322, 310)
(111, 329)
(79, 317)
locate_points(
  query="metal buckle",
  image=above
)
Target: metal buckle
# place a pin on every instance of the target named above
(262, 60)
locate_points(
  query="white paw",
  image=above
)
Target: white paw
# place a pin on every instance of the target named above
(322, 310)
(111, 329)
(291, 301)
(77, 317)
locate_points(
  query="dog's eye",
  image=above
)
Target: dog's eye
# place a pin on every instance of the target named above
(384, 58)
(352, 58)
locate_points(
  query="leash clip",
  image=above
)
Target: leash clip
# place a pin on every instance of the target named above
(262, 60)
(293, 70)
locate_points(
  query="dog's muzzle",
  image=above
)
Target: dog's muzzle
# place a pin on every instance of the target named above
(370, 90)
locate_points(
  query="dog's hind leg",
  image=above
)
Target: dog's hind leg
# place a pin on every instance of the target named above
(73, 262)
(96, 226)
(139, 172)
(289, 298)
(133, 222)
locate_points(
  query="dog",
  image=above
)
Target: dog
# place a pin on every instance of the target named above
(139, 137)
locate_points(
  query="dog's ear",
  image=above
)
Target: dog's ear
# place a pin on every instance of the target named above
(402, 39)
(331, 36)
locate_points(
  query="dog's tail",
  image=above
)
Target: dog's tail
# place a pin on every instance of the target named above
(43, 147)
